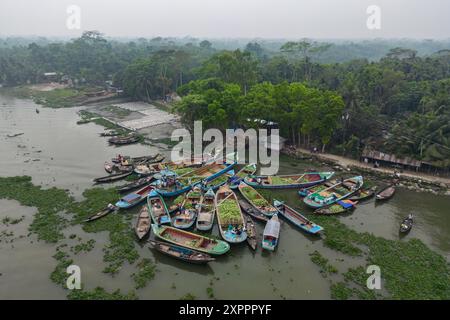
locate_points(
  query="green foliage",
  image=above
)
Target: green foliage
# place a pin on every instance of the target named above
(322, 262)
(410, 270)
(339, 291)
(146, 272)
(230, 212)
(59, 274)
(210, 292)
(100, 294)
(51, 203)
(84, 246)
(387, 86)
(188, 296)
(58, 98)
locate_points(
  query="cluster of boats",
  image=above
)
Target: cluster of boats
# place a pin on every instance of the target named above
(202, 193)
(121, 139)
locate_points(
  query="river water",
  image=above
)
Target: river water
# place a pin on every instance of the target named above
(55, 151)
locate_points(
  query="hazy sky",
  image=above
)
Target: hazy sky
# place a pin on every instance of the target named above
(229, 18)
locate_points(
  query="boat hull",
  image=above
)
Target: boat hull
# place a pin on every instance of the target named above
(325, 177)
(267, 213)
(312, 202)
(178, 251)
(221, 247)
(188, 225)
(164, 219)
(297, 221)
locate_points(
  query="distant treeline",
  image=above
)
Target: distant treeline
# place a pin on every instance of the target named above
(391, 95)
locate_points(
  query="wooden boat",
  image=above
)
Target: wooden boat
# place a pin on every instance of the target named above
(316, 188)
(246, 171)
(407, 224)
(385, 193)
(143, 223)
(112, 167)
(271, 233)
(250, 227)
(339, 191)
(190, 240)
(231, 177)
(120, 140)
(229, 216)
(248, 209)
(181, 253)
(256, 200)
(128, 161)
(297, 218)
(171, 186)
(187, 214)
(217, 182)
(337, 207)
(135, 184)
(288, 181)
(176, 167)
(134, 198)
(112, 177)
(176, 204)
(158, 209)
(363, 194)
(109, 134)
(109, 208)
(206, 211)
(206, 173)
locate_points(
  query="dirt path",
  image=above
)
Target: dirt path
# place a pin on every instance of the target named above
(346, 162)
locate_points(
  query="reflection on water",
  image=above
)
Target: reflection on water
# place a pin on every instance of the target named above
(69, 156)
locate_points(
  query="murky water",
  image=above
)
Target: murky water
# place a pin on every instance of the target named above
(55, 151)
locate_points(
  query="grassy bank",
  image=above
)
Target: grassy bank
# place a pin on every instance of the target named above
(56, 98)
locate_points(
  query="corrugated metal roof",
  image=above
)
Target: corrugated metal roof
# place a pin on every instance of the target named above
(378, 155)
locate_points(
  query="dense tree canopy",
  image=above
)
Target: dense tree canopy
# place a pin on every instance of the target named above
(392, 96)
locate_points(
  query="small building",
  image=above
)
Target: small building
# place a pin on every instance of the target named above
(50, 76)
(391, 159)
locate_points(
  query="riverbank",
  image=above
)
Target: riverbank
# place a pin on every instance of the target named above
(150, 121)
(56, 95)
(411, 180)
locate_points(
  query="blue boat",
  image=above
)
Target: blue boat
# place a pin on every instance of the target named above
(217, 182)
(134, 198)
(316, 188)
(187, 214)
(296, 181)
(333, 194)
(169, 186)
(297, 218)
(248, 170)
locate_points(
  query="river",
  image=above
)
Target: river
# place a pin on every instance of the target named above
(55, 151)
